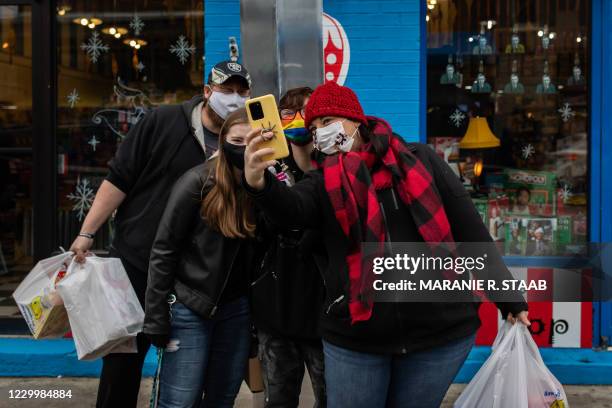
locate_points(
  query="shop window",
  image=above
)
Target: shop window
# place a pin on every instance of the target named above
(16, 142)
(507, 108)
(116, 61)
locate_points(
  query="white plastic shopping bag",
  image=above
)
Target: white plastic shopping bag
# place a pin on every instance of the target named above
(38, 301)
(103, 308)
(514, 376)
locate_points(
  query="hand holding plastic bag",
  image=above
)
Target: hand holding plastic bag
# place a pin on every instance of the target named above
(38, 301)
(102, 306)
(514, 376)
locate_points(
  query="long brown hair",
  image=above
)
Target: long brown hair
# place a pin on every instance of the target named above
(227, 207)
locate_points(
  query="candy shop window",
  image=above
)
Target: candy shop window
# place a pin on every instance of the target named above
(508, 109)
(116, 60)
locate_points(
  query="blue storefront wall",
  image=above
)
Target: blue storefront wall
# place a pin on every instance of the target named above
(385, 53)
(601, 151)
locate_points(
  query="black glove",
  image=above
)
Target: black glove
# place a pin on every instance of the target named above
(159, 340)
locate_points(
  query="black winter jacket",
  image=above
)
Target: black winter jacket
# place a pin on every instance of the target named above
(158, 150)
(394, 328)
(188, 258)
(287, 293)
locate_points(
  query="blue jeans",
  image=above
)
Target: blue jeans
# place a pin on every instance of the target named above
(205, 356)
(419, 379)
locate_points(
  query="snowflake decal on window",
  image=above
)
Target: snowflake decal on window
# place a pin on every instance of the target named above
(566, 112)
(82, 197)
(94, 47)
(73, 98)
(182, 49)
(565, 193)
(137, 24)
(527, 151)
(457, 118)
(93, 142)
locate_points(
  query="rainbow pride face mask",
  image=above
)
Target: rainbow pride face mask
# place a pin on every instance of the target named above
(296, 132)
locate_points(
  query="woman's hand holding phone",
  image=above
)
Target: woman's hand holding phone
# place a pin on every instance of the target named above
(254, 163)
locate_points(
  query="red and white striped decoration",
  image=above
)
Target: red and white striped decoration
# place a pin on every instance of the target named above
(553, 324)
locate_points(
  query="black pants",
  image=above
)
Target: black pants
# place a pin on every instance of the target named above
(283, 362)
(121, 372)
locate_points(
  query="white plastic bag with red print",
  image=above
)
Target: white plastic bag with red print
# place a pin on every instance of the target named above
(38, 301)
(102, 307)
(513, 376)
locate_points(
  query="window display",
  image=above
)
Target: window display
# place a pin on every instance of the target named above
(516, 130)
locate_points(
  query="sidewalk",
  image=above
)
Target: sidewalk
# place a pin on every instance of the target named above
(84, 394)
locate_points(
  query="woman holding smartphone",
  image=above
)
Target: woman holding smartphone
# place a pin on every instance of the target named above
(373, 187)
(196, 300)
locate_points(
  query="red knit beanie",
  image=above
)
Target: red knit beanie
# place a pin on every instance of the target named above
(331, 99)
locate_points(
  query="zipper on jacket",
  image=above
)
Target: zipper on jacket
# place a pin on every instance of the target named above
(404, 350)
(171, 301)
(216, 306)
(394, 198)
(261, 266)
(335, 302)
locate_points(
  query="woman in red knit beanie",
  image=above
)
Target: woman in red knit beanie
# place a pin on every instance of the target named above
(373, 187)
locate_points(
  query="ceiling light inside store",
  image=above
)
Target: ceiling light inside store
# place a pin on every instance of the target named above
(551, 35)
(88, 22)
(116, 32)
(578, 39)
(5, 45)
(63, 8)
(430, 6)
(471, 39)
(135, 42)
(490, 24)
(540, 33)
(434, 2)
(427, 17)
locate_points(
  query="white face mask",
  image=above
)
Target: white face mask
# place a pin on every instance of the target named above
(223, 104)
(331, 139)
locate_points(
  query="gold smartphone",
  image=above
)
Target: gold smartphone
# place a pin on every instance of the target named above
(263, 113)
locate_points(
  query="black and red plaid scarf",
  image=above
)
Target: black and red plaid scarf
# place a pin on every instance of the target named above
(351, 186)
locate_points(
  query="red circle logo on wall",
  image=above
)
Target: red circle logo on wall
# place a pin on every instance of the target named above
(336, 50)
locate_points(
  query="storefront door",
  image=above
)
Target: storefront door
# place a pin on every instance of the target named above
(25, 160)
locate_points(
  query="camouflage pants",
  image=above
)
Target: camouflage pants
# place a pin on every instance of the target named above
(283, 362)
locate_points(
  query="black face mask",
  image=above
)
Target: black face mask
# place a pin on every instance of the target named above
(234, 154)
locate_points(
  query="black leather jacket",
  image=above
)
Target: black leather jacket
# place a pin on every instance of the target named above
(188, 258)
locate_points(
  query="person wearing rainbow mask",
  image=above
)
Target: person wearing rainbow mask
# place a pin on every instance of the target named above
(287, 293)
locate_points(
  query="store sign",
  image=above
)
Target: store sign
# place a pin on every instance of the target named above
(336, 50)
